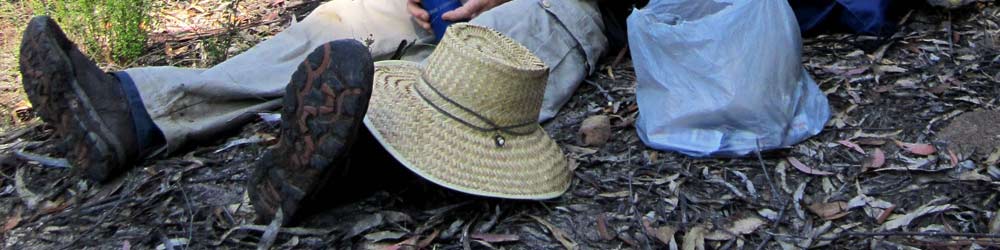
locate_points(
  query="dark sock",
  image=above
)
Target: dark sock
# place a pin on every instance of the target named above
(151, 138)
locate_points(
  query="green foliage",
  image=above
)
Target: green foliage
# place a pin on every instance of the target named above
(109, 30)
(217, 47)
(129, 20)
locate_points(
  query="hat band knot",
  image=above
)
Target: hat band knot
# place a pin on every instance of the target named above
(491, 126)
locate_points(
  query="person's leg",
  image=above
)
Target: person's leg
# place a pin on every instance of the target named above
(87, 107)
(566, 34)
(323, 106)
(185, 103)
(195, 104)
(313, 148)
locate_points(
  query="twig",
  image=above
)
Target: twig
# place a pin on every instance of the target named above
(781, 217)
(951, 36)
(192, 35)
(8, 137)
(763, 167)
(466, 245)
(731, 188)
(925, 234)
(993, 238)
(44, 160)
(297, 231)
(746, 182)
(232, 27)
(271, 233)
(600, 89)
(633, 201)
(100, 206)
(557, 233)
(90, 231)
(186, 36)
(683, 204)
(991, 244)
(30, 198)
(167, 243)
(190, 211)
(621, 55)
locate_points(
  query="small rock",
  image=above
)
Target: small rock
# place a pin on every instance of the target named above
(595, 130)
(973, 132)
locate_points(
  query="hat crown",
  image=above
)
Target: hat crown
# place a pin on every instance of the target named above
(476, 69)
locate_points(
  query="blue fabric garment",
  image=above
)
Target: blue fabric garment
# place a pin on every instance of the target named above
(151, 139)
(860, 16)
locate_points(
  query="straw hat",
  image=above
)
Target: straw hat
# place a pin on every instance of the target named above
(467, 118)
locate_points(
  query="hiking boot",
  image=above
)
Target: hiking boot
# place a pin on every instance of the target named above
(86, 106)
(324, 105)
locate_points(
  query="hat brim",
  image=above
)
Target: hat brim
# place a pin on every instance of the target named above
(453, 155)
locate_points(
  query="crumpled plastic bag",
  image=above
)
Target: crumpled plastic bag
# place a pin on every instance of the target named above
(722, 77)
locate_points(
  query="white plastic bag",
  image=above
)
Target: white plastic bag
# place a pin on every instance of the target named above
(717, 77)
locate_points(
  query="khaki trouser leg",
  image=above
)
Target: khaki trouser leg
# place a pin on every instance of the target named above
(194, 104)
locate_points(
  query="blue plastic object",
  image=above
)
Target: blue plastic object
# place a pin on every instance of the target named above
(859, 16)
(437, 8)
(722, 77)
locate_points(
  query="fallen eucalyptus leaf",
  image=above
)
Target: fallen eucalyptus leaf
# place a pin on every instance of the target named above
(806, 169)
(740, 227)
(384, 235)
(797, 197)
(619, 194)
(917, 164)
(365, 224)
(559, 234)
(664, 234)
(237, 142)
(12, 221)
(851, 145)
(875, 160)
(904, 220)
(891, 69)
(694, 239)
(995, 222)
(993, 158)
(973, 175)
(769, 214)
(494, 238)
(917, 148)
(581, 151)
(602, 227)
(831, 210)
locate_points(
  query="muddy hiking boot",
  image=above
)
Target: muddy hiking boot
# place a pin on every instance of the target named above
(324, 105)
(86, 106)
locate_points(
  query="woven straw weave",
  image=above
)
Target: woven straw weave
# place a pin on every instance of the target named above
(495, 77)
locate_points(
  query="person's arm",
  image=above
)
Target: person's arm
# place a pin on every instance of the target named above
(469, 10)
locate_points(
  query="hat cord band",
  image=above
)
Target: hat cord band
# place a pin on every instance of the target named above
(493, 125)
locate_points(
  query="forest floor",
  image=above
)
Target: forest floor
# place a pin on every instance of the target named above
(908, 161)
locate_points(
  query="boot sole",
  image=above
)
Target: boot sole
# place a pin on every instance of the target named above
(324, 105)
(58, 99)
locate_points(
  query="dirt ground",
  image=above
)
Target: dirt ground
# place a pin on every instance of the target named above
(908, 161)
(13, 108)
